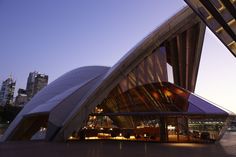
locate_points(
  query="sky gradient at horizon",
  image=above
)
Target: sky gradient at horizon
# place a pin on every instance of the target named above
(56, 36)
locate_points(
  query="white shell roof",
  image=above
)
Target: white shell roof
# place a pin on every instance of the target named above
(57, 91)
(80, 90)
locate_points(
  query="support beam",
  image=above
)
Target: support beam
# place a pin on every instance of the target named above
(230, 7)
(218, 18)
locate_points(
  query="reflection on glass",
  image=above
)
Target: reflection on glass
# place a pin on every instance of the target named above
(206, 129)
(104, 127)
(151, 128)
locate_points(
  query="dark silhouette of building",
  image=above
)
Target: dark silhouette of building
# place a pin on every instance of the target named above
(36, 81)
(21, 98)
(7, 92)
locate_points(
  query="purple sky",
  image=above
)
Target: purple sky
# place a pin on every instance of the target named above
(55, 36)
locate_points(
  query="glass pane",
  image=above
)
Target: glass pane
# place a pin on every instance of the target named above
(172, 129)
(205, 129)
(139, 128)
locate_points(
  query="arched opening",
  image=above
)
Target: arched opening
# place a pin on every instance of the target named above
(32, 127)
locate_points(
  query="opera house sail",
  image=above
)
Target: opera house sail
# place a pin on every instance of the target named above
(146, 96)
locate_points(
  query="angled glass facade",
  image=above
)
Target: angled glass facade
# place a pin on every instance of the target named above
(158, 115)
(144, 106)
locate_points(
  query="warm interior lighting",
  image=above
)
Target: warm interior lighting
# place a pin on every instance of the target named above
(132, 137)
(104, 135)
(170, 127)
(155, 95)
(91, 138)
(119, 138)
(71, 138)
(179, 91)
(141, 126)
(167, 93)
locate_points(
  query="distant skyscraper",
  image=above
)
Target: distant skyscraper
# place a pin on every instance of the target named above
(21, 98)
(36, 81)
(7, 92)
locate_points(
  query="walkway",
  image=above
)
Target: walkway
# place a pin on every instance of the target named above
(226, 148)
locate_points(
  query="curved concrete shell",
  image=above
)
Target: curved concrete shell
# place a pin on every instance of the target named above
(58, 97)
(135, 90)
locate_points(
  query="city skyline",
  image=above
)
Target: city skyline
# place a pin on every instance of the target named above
(35, 82)
(53, 38)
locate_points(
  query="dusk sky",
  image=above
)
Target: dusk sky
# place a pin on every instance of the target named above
(56, 36)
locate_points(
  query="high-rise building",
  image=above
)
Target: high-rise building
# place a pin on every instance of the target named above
(21, 98)
(7, 92)
(36, 81)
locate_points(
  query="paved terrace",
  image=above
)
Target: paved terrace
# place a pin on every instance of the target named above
(225, 148)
